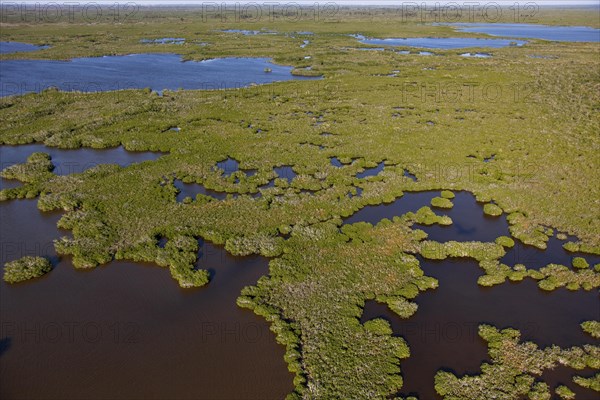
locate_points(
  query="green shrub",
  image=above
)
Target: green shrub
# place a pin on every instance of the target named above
(565, 393)
(505, 241)
(378, 326)
(491, 280)
(433, 250)
(571, 246)
(592, 327)
(518, 275)
(589, 383)
(548, 284)
(492, 209)
(402, 307)
(447, 194)
(426, 216)
(37, 168)
(540, 391)
(514, 369)
(580, 262)
(441, 202)
(188, 277)
(26, 268)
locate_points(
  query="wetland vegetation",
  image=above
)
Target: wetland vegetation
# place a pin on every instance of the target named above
(352, 184)
(26, 268)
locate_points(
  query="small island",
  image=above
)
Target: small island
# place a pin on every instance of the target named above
(26, 268)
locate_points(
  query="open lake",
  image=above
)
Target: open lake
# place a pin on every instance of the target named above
(533, 31)
(138, 71)
(443, 43)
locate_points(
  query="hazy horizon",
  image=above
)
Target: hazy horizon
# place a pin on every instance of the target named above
(312, 2)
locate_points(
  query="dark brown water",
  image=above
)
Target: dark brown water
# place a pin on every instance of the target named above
(127, 331)
(443, 332)
(469, 223)
(535, 258)
(194, 189)
(409, 202)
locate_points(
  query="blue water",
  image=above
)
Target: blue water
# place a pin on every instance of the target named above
(285, 172)
(533, 31)
(246, 32)
(137, 71)
(543, 57)
(476, 55)
(16, 47)
(371, 171)
(442, 43)
(164, 41)
(370, 48)
(229, 166)
(336, 162)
